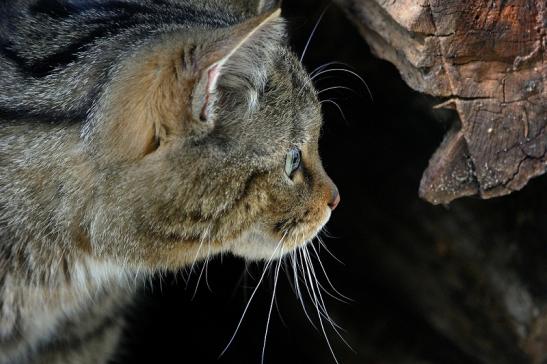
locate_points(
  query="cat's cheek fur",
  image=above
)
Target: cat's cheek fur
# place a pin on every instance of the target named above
(306, 232)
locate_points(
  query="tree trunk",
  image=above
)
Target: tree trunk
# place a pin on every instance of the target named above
(486, 58)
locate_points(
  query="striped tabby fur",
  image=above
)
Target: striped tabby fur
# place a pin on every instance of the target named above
(139, 136)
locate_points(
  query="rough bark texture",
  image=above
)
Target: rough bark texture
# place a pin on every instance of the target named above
(487, 58)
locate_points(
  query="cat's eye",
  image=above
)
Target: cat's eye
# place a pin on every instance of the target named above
(292, 161)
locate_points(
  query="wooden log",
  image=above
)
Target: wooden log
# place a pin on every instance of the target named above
(487, 59)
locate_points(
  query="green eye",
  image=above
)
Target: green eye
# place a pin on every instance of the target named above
(292, 161)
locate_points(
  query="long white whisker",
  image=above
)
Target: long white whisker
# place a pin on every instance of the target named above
(322, 302)
(326, 275)
(194, 261)
(253, 294)
(324, 246)
(331, 294)
(286, 268)
(202, 239)
(203, 268)
(278, 310)
(327, 233)
(314, 287)
(335, 88)
(302, 265)
(348, 71)
(323, 66)
(207, 259)
(317, 306)
(271, 307)
(337, 106)
(297, 285)
(313, 32)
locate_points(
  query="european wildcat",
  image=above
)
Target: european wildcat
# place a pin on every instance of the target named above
(137, 136)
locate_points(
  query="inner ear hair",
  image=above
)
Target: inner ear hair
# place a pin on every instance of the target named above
(247, 37)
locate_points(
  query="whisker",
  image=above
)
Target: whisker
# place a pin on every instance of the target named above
(331, 294)
(191, 270)
(337, 106)
(323, 66)
(336, 88)
(327, 233)
(317, 308)
(302, 265)
(247, 265)
(194, 261)
(204, 267)
(207, 260)
(321, 302)
(286, 270)
(324, 246)
(278, 310)
(313, 32)
(299, 292)
(253, 294)
(327, 277)
(241, 283)
(347, 71)
(314, 287)
(271, 307)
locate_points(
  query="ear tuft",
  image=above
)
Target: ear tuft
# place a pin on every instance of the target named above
(248, 35)
(212, 73)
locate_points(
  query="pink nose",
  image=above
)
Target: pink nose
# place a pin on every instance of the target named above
(335, 201)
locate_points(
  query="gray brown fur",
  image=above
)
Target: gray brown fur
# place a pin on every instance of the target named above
(109, 172)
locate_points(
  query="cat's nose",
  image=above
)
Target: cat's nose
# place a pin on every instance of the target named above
(335, 199)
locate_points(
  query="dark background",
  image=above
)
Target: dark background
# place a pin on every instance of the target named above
(412, 269)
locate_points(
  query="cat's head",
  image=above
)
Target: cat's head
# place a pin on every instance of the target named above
(207, 141)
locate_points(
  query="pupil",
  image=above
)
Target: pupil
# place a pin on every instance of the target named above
(293, 161)
(296, 159)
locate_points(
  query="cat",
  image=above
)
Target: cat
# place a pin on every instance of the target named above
(139, 136)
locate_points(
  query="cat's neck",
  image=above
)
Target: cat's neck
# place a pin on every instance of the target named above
(44, 205)
(47, 268)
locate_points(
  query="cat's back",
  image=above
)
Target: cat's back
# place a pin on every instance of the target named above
(30, 29)
(55, 55)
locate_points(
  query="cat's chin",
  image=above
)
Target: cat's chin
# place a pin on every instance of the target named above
(257, 244)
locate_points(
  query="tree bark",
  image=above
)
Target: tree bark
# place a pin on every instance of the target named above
(486, 58)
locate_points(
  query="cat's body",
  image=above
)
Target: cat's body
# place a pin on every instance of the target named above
(138, 136)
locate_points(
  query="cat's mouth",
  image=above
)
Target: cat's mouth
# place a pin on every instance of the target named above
(263, 243)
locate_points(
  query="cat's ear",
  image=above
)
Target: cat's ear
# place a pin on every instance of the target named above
(232, 54)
